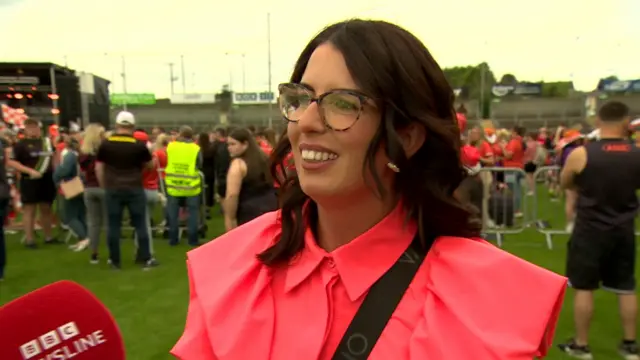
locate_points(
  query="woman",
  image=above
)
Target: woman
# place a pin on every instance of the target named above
(208, 170)
(530, 160)
(74, 210)
(502, 139)
(93, 193)
(376, 148)
(249, 191)
(150, 185)
(159, 152)
(513, 156)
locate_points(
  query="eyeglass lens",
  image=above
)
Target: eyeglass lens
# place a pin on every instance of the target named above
(339, 109)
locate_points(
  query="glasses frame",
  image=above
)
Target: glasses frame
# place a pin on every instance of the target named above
(318, 100)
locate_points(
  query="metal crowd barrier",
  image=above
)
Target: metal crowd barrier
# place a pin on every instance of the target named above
(559, 225)
(548, 227)
(504, 202)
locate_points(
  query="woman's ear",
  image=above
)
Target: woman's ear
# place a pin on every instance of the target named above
(412, 138)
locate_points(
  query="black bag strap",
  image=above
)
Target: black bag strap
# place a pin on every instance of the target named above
(380, 303)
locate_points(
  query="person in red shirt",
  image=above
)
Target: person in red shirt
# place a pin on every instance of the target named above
(159, 153)
(542, 136)
(266, 139)
(159, 150)
(150, 185)
(59, 147)
(513, 158)
(478, 140)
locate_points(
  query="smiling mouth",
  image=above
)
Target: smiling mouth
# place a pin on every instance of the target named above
(317, 156)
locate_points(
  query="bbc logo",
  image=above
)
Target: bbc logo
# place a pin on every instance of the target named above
(49, 340)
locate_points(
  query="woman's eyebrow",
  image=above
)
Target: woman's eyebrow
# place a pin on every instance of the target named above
(308, 86)
(330, 88)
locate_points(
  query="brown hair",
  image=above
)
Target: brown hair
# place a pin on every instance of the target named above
(393, 67)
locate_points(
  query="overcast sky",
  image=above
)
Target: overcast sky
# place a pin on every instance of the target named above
(536, 40)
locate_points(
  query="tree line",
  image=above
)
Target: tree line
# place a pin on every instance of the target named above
(470, 79)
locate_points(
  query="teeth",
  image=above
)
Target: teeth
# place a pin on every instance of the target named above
(318, 155)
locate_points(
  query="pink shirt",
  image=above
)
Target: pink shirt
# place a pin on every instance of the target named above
(469, 299)
(530, 151)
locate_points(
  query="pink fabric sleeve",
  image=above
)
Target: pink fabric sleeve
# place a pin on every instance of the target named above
(499, 306)
(194, 343)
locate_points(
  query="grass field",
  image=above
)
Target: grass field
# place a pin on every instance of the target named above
(150, 307)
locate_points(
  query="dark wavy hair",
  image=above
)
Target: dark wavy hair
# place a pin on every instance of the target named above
(393, 67)
(256, 160)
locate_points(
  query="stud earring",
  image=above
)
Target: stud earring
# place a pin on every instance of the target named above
(393, 167)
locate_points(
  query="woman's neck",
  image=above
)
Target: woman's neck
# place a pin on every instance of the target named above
(339, 223)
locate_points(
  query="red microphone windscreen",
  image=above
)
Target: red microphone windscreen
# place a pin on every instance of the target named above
(62, 320)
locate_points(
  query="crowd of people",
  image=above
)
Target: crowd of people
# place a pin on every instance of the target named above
(377, 229)
(91, 176)
(599, 174)
(525, 150)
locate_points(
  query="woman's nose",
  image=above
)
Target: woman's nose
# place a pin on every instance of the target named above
(311, 119)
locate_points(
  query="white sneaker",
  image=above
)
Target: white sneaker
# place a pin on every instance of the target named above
(569, 227)
(81, 245)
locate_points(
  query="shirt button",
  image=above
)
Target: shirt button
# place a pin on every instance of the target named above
(331, 263)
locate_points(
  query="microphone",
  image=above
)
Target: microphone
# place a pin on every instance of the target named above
(60, 321)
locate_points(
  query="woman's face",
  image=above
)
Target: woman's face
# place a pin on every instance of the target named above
(338, 156)
(236, 148)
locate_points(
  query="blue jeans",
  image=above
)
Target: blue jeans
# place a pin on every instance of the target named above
(135, 201)
(75, 216)
(513, 179)
(173, 209)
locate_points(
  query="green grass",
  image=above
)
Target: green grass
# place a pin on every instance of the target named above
(150, 307)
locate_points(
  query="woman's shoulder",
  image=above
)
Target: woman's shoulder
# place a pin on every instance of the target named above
(235, 250)
(497, 300)
(478, 256)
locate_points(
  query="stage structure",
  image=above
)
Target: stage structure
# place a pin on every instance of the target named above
(55, 94)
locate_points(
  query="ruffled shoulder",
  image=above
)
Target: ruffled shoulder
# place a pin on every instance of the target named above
(230, 290)
(485, 303)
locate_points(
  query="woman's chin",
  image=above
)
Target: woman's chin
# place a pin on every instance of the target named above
(318, 190)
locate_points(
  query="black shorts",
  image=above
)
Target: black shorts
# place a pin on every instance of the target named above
(38, 191)
(530, 168)
(597, 257)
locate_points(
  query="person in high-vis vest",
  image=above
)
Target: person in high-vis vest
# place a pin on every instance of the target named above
(183, 184)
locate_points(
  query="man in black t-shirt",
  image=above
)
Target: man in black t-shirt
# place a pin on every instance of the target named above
(33, 158)
(602, 246)
(119, 164)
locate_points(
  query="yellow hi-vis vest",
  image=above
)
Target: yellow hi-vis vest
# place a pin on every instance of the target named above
(181, 175)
